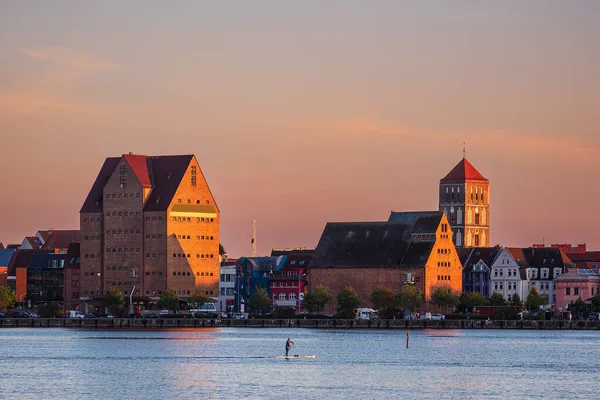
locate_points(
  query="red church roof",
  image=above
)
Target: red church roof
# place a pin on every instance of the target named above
(464, 170)
(139, 165)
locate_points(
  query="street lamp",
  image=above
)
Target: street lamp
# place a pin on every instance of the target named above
(21, 299)
(300, 275)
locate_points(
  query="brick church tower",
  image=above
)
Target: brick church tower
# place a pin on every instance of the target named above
(465, 198)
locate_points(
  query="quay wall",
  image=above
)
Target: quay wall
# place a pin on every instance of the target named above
(172, 323)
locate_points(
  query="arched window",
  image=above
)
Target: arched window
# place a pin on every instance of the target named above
(282, 296)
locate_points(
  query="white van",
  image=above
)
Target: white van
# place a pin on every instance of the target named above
(74, 314)
(366, 313)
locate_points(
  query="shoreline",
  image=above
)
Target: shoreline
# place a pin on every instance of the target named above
(173, 323)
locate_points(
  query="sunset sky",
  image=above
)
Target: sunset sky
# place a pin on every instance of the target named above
(306, 112)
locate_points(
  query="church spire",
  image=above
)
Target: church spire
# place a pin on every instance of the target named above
(464, 151)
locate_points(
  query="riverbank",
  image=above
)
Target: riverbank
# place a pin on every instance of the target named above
(172, 323)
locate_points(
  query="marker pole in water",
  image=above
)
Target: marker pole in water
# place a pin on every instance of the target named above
(407, 337)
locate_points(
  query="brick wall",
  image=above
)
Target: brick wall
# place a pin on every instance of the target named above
(90, 225)
(193, 236)
(123, 232)
(363, 280)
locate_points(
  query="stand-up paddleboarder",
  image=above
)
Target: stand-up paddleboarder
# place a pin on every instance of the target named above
(288, 345)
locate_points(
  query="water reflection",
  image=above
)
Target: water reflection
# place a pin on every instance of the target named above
(237, 362)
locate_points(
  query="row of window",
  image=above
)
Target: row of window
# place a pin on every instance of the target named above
(302, 262)
(124, 231)
(444, 277)
(443, 251)
(188, 219)
(189, 201)
(227, 291)
(123, 214)
(123, 195)
(179, 273)
(443, 263)
(227, 277)
(175, 255)
(86, 255)
(283, 284)
(188, 237)
(91, 219)
(284, 296)
(575, 291)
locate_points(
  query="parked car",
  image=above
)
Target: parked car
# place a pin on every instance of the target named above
(19, 314)
(75, 314)
(33, 315)
(240, 316)
(438, 316)
(90, 315)
(1, 315)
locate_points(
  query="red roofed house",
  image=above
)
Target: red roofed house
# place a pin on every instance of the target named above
(59, 241)
(148, 224)
(31, 243)
(465, 199)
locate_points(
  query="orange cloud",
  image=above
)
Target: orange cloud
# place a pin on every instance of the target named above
(71, 58)
(23, 103)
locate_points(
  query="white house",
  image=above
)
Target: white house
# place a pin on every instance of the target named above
(518, 270)
(226, 285)
(507, 275)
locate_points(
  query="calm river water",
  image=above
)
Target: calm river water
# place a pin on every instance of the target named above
(361, 364)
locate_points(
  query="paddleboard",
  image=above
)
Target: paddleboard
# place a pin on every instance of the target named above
(296, 357)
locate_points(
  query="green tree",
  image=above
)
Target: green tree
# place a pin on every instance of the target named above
(260, 300)
(7, 297)
(516, 301)
(113, 300)
(596, 302)
(578, 306)
(168, 300)
(382, 299)
(409, 297)
(222, 251)
(534, 300)
(443, 297)
(347, 301)
(198, 298)
(496, 299)
(49, 310)
(470, 300)
(315, 301)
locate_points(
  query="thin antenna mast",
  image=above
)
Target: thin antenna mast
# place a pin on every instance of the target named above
(464, 150)
(254, 238)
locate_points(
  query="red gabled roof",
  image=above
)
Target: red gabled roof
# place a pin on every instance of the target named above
(45, 235)
(139, 165)
(61, 240)
(464, 171)
(34, 242)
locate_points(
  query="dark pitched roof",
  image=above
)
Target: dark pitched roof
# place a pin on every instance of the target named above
(13, 246)
(486, 254)
(546, 257)
(420, 221)
(34, 242)
(463, 171)
(298, 258)
(61, 239)
(45, 235)
(369, 244)
(588, 256)
(1, 246)
(21, 259)
(167, 173)
(93, 202)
